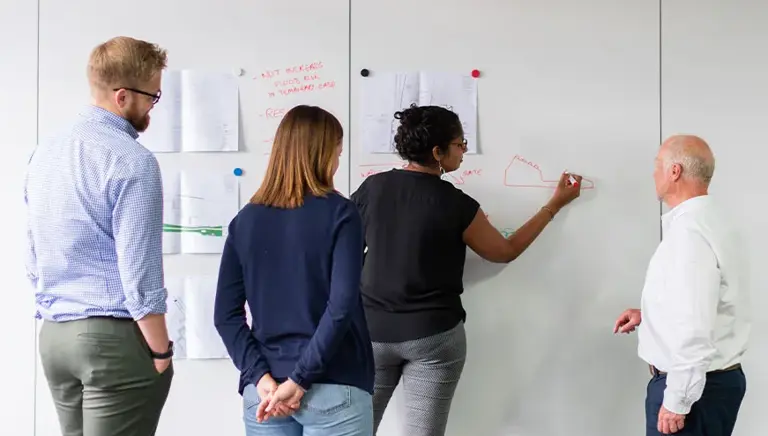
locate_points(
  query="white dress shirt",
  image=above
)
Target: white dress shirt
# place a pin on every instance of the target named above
(695, 301)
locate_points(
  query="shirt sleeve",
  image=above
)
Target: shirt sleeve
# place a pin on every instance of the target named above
(229, 315)
(467, 208)
(137, 226)
(30, 261)
(693, 288)
(344, 299)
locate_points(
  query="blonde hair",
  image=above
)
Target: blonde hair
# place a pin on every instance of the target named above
(302, 158)
(124, 62)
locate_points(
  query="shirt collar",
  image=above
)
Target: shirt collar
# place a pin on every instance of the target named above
(692, 204)
(101, 115)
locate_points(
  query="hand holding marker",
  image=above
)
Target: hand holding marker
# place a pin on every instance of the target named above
(572, 180)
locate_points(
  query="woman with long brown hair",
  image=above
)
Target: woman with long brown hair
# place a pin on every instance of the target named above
(294, 255)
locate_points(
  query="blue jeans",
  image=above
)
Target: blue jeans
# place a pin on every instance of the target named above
(326, 409)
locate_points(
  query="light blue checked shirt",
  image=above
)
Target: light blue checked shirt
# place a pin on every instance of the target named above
(95, 206)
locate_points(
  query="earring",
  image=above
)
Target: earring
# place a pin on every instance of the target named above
(442, 170)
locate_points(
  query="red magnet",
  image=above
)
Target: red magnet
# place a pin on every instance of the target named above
(475, 73)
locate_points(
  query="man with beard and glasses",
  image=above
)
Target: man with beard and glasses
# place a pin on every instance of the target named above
(95, 204)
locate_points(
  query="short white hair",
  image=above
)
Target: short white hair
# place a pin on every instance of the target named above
(696, 165)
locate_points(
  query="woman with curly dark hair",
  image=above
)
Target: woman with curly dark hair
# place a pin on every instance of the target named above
(417, 228)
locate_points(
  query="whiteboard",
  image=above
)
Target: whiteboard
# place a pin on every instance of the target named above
(564, 85)
(714, 85)
(222, 36)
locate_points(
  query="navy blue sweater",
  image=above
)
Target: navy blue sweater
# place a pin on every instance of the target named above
(299, 272)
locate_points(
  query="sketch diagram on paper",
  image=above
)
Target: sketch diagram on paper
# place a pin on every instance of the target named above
(385, 93)
(190, 318)
(198, 112)
(522, 173)
(197, 210)
(175, 316)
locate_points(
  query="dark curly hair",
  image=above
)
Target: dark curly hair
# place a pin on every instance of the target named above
(422, 128)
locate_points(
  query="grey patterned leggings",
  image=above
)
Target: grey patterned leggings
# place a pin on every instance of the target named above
(430, 368)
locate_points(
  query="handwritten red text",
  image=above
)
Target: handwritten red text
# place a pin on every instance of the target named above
(295, 79)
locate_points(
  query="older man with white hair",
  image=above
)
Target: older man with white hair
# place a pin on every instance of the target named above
(694, 303)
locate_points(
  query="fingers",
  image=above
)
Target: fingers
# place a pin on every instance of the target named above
(280, 409)
(673, 427)
(627, 328)
(670, 424)
(618, 325)
(270, 404)
(621, 322)
(261, 412)
(570, 180)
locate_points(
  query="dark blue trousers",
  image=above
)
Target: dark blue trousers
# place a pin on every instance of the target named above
(713, 415)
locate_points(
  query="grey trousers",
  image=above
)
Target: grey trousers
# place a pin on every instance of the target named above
(430, 368)
(102, 377)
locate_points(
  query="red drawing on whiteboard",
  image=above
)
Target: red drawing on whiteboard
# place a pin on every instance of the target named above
(522, 173)
(456, 177)
(460, 177)
(367, 170)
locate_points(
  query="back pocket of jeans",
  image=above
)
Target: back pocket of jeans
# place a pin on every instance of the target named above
(251, 397)
(327, 399)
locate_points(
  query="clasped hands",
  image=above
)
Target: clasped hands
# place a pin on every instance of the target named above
(277, 400)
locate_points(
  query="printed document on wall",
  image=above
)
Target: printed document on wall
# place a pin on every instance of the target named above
(175, 318)
(190, 318)
(197, 210)
(383, 94)
(171, 212)
(197, 112)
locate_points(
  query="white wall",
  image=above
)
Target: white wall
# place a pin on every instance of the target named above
(18, 130)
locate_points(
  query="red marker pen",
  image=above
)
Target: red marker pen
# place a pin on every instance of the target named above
(572, 179)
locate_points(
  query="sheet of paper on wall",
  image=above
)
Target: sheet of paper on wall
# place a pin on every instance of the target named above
(175, 317)
(203, 340)
(197, 112)
(197, 210)
(190, 318)
(383, 94)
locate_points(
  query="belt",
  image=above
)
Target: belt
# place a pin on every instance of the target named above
(655, 371)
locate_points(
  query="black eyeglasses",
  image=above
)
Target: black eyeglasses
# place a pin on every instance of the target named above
(155, 97)
(462, 144)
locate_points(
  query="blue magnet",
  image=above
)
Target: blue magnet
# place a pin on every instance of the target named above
(238, 172)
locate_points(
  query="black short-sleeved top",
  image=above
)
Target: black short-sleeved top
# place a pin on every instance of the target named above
(414, 265)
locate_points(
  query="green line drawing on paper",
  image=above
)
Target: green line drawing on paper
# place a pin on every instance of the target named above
(216, 231)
